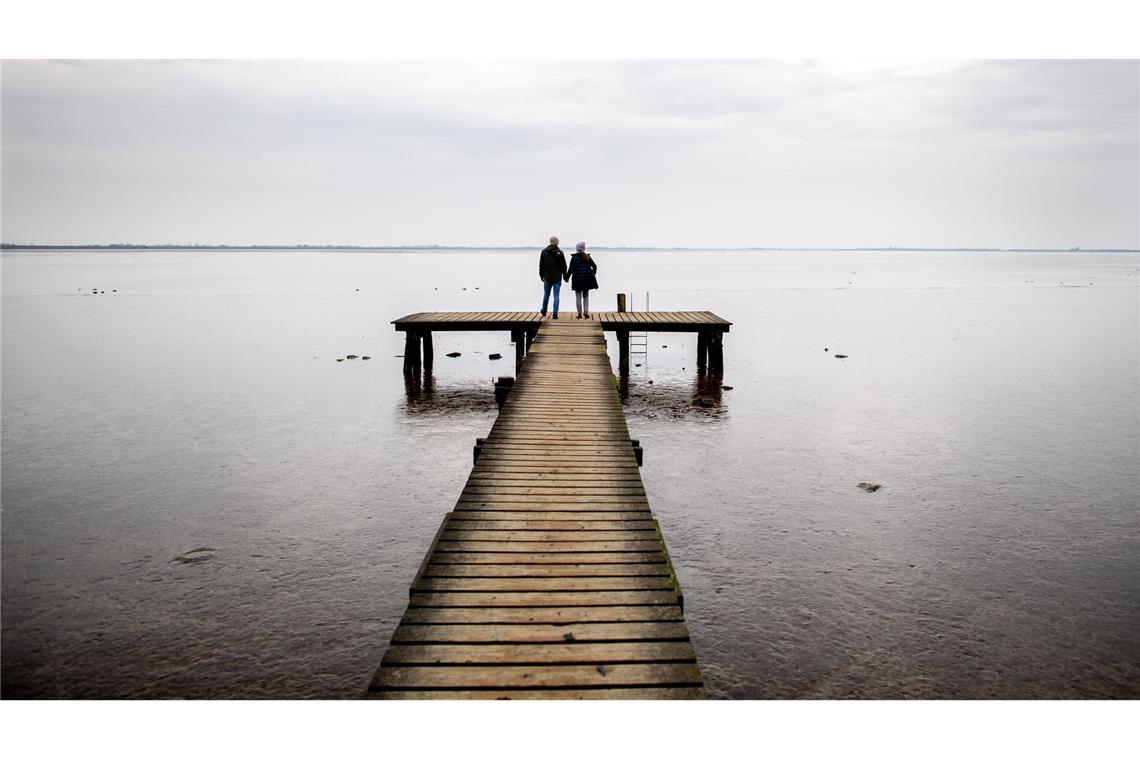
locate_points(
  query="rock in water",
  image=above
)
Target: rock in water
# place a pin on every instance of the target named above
(493, 357)
(201, 554)
(366, 358)
(340, 360)
(726, 387)
(870, 487)
(352, 356)
(454, 354)
(841, 356)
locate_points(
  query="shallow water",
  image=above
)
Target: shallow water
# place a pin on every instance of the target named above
(196, 403)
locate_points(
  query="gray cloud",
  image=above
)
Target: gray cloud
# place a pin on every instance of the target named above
(662, 152)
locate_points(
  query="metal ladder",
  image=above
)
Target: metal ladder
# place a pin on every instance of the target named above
(638, 342)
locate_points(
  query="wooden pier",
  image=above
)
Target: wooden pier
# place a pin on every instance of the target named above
(419, 350)
(550, 579)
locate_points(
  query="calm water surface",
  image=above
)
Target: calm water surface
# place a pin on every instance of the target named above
(196, 403)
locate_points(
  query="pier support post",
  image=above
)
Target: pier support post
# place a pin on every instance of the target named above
(716, 353)
(429, 351)
(411, 352)
(530, 335)
(702, 351)
(518, 337)
(623, 340)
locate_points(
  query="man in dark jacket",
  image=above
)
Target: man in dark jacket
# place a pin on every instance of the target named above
(551, 270)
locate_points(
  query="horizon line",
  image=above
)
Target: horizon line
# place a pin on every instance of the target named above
(433, 246)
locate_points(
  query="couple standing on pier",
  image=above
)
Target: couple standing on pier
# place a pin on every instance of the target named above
(553, 269)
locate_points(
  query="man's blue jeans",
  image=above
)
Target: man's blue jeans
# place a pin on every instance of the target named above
(546, 288)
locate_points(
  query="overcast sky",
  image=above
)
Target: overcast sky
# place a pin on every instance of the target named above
(779, 153)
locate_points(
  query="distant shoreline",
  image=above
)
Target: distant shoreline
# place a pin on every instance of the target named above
(397, 248)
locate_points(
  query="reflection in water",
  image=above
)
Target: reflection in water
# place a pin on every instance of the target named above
(424, 398)
(701, 398)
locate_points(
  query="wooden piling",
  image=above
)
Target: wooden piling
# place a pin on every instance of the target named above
(716, 354)
(519, 339)
(411, 352)
(623, 340)
(429, 350)
(702, 351)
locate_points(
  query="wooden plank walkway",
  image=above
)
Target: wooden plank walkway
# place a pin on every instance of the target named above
(550, 578)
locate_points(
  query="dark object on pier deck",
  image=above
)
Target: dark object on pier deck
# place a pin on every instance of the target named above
(523, 326)
(550, 578)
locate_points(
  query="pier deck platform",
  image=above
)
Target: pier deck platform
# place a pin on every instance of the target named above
(523, 326)
(550, 578)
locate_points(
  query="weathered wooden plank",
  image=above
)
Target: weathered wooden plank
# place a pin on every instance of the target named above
(554, 536)
(540, 654)
(548, 558)
(543, 615)
(476, 489)
(538, 570)
(491, 465)
(501, 505)
(537, 499)
(539, 633)
(540, 598)
(532, 584)
(558, 515)
(532, 676)
(459, 522)
(603, 511)
(623, 477)
(532, 547)
(608, 693)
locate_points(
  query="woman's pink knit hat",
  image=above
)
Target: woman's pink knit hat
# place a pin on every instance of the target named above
(581, 247)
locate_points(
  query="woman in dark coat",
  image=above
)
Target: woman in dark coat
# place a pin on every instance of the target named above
(582, 269)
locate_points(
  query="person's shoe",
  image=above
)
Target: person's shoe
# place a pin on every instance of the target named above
(555, 317)
(543, 313)
(587, 315)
